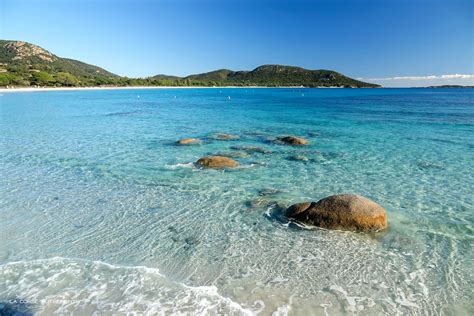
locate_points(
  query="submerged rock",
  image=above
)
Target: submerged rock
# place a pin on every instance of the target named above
(298, 158)
(221, 136)
(293, 140)
(188, 141)
(252, 149)
(269, 191)
(217, 162)
(428, 165)
(342, 211)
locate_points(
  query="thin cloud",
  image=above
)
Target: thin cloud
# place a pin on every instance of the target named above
(432, 77)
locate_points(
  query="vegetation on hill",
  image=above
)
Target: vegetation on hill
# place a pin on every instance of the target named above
(25, 64)
(278, 75)
(268, 76)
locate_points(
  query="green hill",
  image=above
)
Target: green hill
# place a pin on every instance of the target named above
(24, 64)
(272, 76)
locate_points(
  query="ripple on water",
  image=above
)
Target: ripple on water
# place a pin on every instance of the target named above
(117, 192)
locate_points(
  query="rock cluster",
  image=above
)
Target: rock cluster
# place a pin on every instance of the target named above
(343, 211)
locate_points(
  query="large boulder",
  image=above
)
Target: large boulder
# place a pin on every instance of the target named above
(188, 141)
(292, 140)
(342, 211)
(217, 162)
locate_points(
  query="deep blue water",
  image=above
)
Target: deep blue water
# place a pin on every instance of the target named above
(100, 211)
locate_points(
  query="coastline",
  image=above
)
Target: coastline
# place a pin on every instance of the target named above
(48, 89)
(39, 89)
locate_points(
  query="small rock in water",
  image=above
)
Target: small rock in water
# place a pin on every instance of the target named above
(191, 241)
(269, 191)
(188, 141)
(217, 162)
(342, 211)
(298, 158)
(428, 165)
(293, 140)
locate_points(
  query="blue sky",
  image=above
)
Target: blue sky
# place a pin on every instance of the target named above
(392, 42)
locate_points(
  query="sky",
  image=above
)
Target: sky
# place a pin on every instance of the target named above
(390, 42)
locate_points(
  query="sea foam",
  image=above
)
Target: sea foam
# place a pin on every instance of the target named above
(64, 285)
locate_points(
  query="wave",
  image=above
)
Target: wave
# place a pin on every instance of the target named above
(64, 285)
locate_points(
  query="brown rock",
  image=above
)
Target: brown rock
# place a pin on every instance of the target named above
(342, 211)
(293, 140)
(217, 162)
(188, 141)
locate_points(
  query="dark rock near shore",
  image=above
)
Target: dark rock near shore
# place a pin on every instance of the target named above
(292, 140)
(342, 211)
(217, 162)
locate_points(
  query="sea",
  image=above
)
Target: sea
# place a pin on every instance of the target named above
(102, 213)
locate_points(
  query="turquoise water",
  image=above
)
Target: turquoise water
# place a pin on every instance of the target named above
(101, 212)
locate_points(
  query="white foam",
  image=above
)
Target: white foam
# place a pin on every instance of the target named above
(63, 285)
(282, 310)
(180, 165)
(351, 301)
(403, 300)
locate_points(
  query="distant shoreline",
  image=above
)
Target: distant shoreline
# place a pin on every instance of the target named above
(38, 89)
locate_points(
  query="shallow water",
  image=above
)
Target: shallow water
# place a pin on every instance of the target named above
(101, 212)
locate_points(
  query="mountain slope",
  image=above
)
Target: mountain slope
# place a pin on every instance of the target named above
(23, 64)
